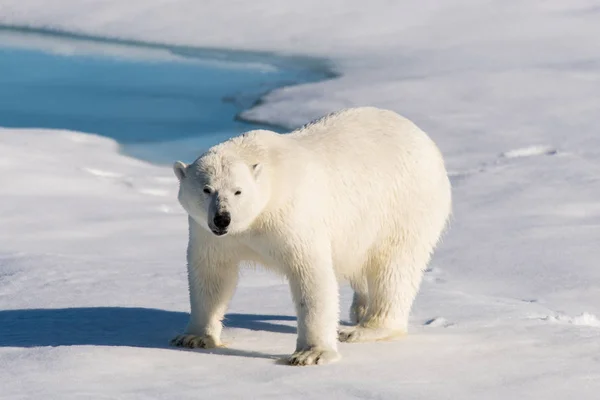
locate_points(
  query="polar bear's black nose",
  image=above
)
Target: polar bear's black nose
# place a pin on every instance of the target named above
(222, 220)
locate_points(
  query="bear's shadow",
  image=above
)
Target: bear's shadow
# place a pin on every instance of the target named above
(117, 326)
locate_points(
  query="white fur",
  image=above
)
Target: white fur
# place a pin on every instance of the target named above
(361, 195)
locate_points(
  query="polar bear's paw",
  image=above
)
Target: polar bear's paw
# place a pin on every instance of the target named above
(195, 342)
(364, 334)
(313, 356)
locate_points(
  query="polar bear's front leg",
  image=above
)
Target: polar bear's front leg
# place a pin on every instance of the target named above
(315, 292)
(211, 289)
(212, 281)
(210, 292)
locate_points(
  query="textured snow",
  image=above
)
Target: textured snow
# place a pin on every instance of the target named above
(92, 277)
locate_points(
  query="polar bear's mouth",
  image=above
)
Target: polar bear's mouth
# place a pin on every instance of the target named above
(218, 232)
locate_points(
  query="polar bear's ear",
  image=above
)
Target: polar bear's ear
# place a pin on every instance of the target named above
(179, 169)
(256, 169)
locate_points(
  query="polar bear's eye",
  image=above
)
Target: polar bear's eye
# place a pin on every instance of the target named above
(207, 190)
(238, 192)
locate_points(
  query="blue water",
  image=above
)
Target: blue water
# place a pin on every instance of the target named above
(158, 110)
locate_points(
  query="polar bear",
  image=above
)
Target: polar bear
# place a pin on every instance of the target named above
(361, 195)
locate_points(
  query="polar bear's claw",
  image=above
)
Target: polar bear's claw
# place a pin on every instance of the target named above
(313, 356)
(194, 342)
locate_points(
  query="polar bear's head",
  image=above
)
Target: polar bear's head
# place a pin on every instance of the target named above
(222, 192)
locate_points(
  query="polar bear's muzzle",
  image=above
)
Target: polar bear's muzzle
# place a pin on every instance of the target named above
(220, 223)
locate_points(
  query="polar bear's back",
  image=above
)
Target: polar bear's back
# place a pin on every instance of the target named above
(371, 145)
(365, 136)
(382, 174)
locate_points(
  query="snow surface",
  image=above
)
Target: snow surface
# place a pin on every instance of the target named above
(92, 277)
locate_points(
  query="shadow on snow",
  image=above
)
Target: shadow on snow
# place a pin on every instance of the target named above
(118, 326)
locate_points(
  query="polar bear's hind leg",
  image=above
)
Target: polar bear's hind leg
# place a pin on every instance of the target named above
(392, 288)
(360, 300)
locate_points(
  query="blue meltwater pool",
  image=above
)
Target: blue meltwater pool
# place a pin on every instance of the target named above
(160, 103)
